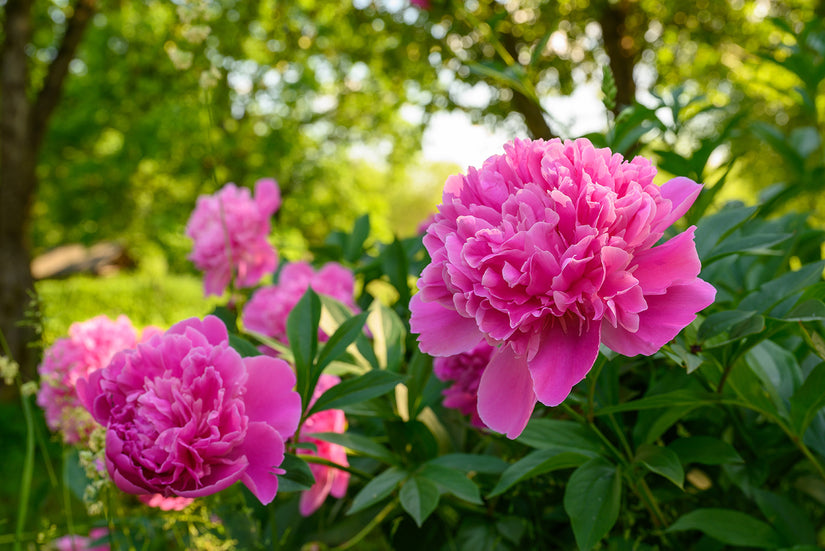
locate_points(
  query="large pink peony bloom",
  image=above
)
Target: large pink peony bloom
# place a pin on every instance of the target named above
(267, 310)
(546, 252)
(186, 416)
(89, 347)
(81, 543)
(328, 480)
(230, 229)
(465, 371)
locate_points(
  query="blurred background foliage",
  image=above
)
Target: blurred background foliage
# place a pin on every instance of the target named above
(169, 100)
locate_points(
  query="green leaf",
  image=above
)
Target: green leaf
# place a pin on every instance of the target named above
(358, 443)
(74, 476)
(355, 239)
(242, 346)
(394, 263)
(768, 297)
(809, 310)
(451, 480)
(388, 333)
(419, 369)
(419, 497)
(808, 400)
(377, 489)
(302, 332)
(560, 436)
(705, 450)
(298, 476)
(716, 226)
(682, 397)
(469, 462)
(730, 527)
(722, 322)
(369, 385)
(754, 244)
(661, 461)
(534, 464)
(592, 500)
(340, 340)
(788, 519)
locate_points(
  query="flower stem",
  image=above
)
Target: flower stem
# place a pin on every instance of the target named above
(328, 463)
(28, 469)
(376, 520)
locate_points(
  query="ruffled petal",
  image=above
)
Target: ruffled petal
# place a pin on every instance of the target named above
(269, 396)
(441, 331)
(562, 360)
(667, 314)
(264, 449)
(681, 192)
(505, 393)
(267, 196)
(673, 262)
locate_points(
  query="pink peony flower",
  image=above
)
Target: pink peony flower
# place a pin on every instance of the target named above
(89, 347)
(465, 370)
(421, 4)
(546, 252)
(328, 480)
(267, 310)
(230, 229)
(186, 416)
(166, 503)
(80, 543)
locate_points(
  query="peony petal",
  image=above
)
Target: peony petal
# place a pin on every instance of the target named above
(681, 192)
(673, 262)
(269, 396)
(222, 477)
(667, 314)
(312, 499)
(267, 196)
(264, 448)
(562, 360)
(505, 393)
(442, 331)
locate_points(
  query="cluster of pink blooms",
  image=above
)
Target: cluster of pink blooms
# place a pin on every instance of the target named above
(546, 252)
(465, 371)
(81, 543)
(267, 311)
(328, 480)
(89, 347)
(187, 416)
(230, 230)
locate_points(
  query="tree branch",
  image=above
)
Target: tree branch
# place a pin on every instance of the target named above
(49, 95)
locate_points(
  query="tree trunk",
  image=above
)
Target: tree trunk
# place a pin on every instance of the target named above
(22, 127)
(17, 166)
(622, 48)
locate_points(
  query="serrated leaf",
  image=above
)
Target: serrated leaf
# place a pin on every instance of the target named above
(452, 481)
(561, 436)
(661, 461)
(298, 476)
(377, 489)
(469, 462)
(419, 497)
(534, 464)
(369, 385)
(358, 443)
(592, 500)
(705, 450)
(730, 527)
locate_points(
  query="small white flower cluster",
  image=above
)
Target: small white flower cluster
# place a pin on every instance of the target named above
(8, 369)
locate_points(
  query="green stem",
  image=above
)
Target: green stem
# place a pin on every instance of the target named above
(605, 440)
(28, 469)
(376, 520)
(328, 463)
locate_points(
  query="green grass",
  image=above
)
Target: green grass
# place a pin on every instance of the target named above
(145, 299)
